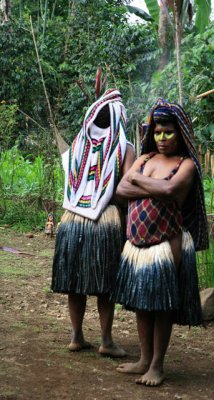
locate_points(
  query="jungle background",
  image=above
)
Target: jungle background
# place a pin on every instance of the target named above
(72, 39)
(48, 50)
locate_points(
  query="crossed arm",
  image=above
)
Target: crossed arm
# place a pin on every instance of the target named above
(135, 185)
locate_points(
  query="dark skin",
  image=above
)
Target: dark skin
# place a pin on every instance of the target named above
(77, 302)
(77, 305)
(154, 328)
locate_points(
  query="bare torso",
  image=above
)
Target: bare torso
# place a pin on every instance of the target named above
(159, 167)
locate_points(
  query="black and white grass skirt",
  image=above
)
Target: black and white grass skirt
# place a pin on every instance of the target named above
(149, 280)
(87, 253)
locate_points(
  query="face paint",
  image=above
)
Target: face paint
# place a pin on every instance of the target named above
(163, 135)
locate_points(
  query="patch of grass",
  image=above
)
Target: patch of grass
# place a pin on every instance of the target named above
(8, 393)
(122, 318)
(52, 324)
(118, 307)
(97, 341)
(36, 329)
(205, 266)
(47, 290)
(195, 330)
(46, 253)
(19, 325)
(4, 301)
(90, 354)
(70, 366)
(14, 271)
(58, 350)
(13, 266)
(6, 257)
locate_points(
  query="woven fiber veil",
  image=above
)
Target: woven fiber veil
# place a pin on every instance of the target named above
(96, 157)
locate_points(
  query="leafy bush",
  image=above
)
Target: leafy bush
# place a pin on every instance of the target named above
(208, 183)
(198, 73)
(25, 186)
(205, 266)
(7, 124)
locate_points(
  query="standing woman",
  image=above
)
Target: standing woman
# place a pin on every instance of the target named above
(90, 235)
(166, 225)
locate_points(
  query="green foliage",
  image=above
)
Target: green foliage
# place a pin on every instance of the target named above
(78, 36)
(208, 183)
(7, 124)
(24, 186)
(19, 72)
(73, 37)
(198, 73)
(153, 7)
(22, 177)
(23, 215)
(140, 13)
(205, 267)
(101, 35)
(203, 13)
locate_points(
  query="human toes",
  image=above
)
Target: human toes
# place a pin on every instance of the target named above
(147, 380)
(123, 367)
(79, 346)
(112, 351)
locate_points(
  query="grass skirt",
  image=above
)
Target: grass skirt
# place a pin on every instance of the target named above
(87, 253)
(148, 280)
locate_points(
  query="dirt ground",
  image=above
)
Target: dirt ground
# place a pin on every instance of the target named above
(35, 331)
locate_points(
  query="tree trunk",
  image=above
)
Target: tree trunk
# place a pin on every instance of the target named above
(44, 20)
(162, 33)
(20, 9)
(178, 51)
(5, 9)
(71, 10)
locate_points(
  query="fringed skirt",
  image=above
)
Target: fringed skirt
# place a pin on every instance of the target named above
(149, 280)
(87, 253)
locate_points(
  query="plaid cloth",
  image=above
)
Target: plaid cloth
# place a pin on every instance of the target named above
(151, 222)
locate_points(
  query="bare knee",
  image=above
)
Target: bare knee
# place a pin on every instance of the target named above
(176, 247)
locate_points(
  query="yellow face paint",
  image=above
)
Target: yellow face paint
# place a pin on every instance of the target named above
(163, 135)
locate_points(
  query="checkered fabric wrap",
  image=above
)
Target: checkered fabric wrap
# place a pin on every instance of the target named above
(151, 222)
(194, 212)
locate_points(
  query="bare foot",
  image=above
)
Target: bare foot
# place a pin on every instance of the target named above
(133, 368)
(153, 377)
(112, 351)
(79, 346)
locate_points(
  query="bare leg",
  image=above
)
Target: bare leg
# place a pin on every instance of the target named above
(145, 326)
(106, 313)
(162, 332)
(77, 305)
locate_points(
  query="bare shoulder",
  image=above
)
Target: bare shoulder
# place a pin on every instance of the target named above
(189, 165)
(130, 150)
(129, 158)
(137, 164)
(140, 160)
